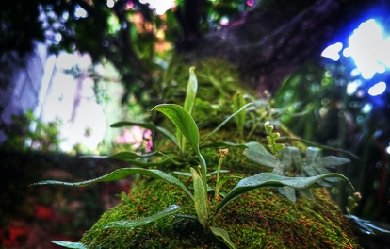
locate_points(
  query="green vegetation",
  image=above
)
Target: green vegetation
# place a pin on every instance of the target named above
(150, 215)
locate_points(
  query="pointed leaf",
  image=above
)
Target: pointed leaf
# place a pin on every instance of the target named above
(130, 155)
(331, 161)
(192, 89)
(307, 194)
(225, 121)
(273, 180)
(296, 158)
(120, 174)
(151, 127)
(238, 102)
(68, 244)
(126, 155)
(256, 146)
(223, 236)
(186, 124)
(146, 220)
(289, 193)
(262, 158)
(311, 155)
(200, 198)
(287, 160)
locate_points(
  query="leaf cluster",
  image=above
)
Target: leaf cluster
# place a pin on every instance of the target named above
(294, 166)
(188, 131)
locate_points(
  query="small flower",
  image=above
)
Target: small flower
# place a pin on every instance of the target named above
(223, 153)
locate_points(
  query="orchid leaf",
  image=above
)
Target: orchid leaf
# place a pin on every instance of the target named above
(146, 220)
(223, 236)
(68, 244)
(120, 174)
(273, 180)
(200, 198)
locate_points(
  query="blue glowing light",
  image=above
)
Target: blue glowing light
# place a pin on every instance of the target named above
(369, 49)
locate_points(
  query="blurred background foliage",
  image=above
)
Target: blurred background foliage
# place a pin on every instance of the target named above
(325, 101)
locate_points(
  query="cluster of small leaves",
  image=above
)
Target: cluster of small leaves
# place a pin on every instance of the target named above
(294, 166)
(189, 131)
(272, 137)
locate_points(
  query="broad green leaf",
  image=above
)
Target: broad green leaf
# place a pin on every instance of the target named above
(200, 198)
(273, 180)
(151, 127)
(146, 220)
(68, 244)
(264, 159)
(120, 174)
(192, 89)
(186, 124)
(256, 146)
(225, 121)
(223, 236)
(238, 102)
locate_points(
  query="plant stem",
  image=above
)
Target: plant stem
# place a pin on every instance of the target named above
(222, 154)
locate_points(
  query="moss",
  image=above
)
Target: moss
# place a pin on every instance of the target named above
(259, 219)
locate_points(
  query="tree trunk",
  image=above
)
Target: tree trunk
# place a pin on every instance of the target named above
(273, 39)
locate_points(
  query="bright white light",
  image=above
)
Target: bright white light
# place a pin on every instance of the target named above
(369, 49)
(110, 3)
(387, 149)
(332, 51)
(353, 86)
(80, 12)
(367, 108)
(224, 21)
(377, 89)
(159, 6)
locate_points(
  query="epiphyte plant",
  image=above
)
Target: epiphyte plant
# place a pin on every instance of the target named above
(291, 163)
(183, 121)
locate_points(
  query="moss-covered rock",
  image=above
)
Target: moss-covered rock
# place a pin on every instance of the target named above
(258, 219)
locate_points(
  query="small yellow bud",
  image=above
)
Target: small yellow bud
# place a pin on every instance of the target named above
(357, 196)
(223, 153)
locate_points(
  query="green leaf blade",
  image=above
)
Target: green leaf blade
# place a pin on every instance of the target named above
(264, 159)
(223, 236)
(146, 220)
(200, 198)
(273, 180)
(120, 174)
(238, 102)
(182, 119)
(68, 244)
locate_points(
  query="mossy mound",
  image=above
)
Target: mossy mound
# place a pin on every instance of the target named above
(258, 219)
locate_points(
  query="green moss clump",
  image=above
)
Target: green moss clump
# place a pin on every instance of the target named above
(259, 219)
